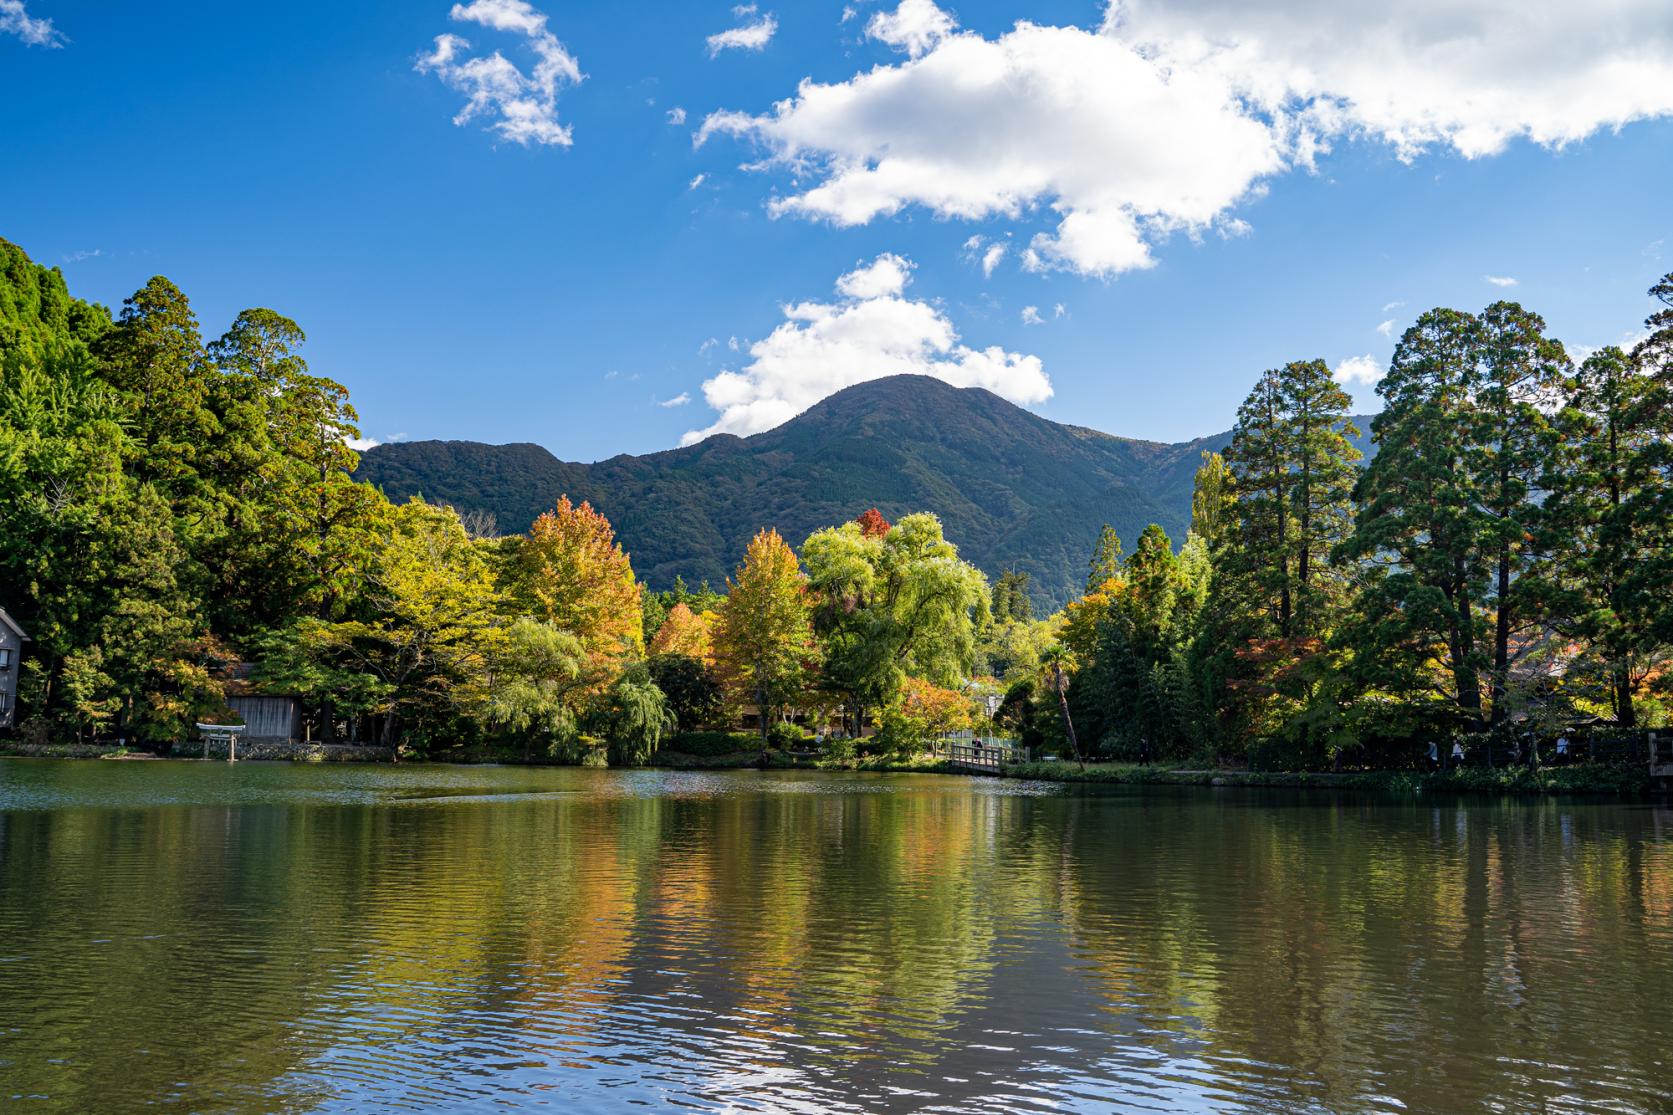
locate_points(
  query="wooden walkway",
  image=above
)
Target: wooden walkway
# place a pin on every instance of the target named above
(977, 757)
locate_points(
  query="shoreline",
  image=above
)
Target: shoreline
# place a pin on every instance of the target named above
(1614, 781)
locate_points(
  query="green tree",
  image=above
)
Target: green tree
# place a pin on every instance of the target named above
(634, 715)
(428, 628)
(539, 686)
(891, 606)
(1520, 373)
(1214, 502)
(695, 694)
(1417, 631)
(1057, 665)
(154, 356)
(1106, 559)
(1602, 518)
(1010, 600)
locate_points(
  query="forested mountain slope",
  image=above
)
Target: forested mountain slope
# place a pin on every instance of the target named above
(1014, 490)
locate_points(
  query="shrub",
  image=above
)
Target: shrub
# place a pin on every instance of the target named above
(787, 736)
(711, 743)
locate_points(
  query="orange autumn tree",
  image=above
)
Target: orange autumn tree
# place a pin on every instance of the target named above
(938, 710)
(571, 572)
(685, 632)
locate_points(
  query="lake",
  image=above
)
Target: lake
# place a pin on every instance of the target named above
(278, 937)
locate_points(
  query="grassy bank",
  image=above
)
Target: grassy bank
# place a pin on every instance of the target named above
(1578, 779)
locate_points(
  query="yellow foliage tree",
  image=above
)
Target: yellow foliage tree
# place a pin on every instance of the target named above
(571, 572)
(685, 632)
(764, 643)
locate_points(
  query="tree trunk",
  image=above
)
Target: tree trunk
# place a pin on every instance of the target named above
(1625, 714)
(1068, 724)
(1501, 640)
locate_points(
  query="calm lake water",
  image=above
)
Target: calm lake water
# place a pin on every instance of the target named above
(275, 937)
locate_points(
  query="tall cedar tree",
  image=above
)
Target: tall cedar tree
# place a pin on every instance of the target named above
(764, 644)
(1323, 466)
(1602, 514)
(154, 357)
(1418, 628)
(1520, 373)
(1653, 357)
(1260, 460)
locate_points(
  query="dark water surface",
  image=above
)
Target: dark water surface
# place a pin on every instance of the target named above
(274, 937)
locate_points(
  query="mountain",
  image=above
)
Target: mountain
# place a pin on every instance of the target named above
(1013, 490)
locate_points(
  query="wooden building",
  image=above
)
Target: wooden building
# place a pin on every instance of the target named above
(12, 638)
(267, 717)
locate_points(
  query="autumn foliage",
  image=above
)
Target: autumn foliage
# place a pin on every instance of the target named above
(873, 524)
(685, 632)
(573, 574)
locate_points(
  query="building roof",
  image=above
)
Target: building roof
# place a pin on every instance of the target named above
(14, 625)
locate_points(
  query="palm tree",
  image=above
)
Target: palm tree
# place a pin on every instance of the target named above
(1056, 663)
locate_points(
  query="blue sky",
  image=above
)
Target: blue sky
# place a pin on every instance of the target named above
(468, 285)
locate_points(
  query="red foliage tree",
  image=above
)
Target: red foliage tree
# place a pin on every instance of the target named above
(873, 524)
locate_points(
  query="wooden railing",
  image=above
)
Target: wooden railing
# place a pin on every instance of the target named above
(977, 756)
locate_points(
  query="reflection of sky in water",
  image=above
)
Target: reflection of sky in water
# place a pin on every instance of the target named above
(474, 938)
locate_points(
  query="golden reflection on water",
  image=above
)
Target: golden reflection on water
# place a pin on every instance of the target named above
(424, 938)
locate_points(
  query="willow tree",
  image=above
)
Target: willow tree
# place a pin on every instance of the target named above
(891, 606)
(764, 644)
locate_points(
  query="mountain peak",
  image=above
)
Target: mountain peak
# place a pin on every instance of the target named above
(1013, 490)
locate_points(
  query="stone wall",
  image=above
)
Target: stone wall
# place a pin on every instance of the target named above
(259, 750)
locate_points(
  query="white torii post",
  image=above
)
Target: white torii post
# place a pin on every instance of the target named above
(216, 733)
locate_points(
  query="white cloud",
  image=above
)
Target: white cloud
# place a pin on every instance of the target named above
(1387, 306)
(525, 105)
(975, 128)
(1031, 316)
(884, 277)
(361, 444)
(16, 20)
(1059, 310)
(749, 36)
(676, 115)
(77, 257)
(696, 181)
(869, 331)
(707, 346)
(915, 27)
(989, 257)
(1173, 112)
(1499, 280)
(1386, 328)
(1358, 371)
(679, 400)
(1469, 74)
